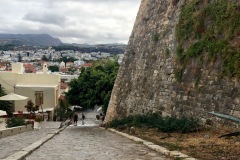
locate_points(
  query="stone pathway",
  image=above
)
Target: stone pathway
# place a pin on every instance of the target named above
(89, 142)
(92, 143)
(80, 142)
(12, 144)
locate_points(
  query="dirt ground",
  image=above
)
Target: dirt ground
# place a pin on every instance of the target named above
(203, 145)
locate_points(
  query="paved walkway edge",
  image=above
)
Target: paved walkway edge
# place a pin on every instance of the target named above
(24, 152)
(159, 149)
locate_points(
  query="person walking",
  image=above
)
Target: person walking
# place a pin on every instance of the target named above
(83, 118)
(75, 119)
(103, 118)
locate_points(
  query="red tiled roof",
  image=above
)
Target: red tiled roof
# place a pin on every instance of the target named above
(28, 65)
(76, 67)
(63, 69)
(29, 68)
(42, 61)
(87, 65)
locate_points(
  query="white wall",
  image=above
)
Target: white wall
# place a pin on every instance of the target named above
(26, 85)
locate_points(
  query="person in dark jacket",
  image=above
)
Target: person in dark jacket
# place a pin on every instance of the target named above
(75, 119)
(103, 118)
(83, 118)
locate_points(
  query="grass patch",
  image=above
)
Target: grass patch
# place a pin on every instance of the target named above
(212, 28)
(155, 37)
(178, 74)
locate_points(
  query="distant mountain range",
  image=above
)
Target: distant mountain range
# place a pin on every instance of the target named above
(29, 40)
(114, 48)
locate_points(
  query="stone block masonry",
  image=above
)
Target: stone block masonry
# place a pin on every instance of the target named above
(15, 130)
(147, 81)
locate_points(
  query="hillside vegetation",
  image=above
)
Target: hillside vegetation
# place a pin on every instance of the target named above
(209, 30)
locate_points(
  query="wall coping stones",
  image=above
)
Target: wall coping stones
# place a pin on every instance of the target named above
(15, 130)
(17, 155)
(22, 153)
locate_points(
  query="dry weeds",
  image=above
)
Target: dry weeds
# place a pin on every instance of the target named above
(203, 145)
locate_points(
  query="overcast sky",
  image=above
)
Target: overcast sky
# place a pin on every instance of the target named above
(73, 21)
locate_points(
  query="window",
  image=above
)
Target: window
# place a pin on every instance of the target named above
(39, 98)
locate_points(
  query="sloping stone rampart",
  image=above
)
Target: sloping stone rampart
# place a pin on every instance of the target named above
(146, 82)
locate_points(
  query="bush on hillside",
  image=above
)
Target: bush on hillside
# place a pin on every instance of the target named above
(14, 122)
(164, 124)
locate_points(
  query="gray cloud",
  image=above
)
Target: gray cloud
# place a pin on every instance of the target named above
(45, 18)
(73, 21)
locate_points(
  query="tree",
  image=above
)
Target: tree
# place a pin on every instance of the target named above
(50, 57)
(94, 85)
(19, 58)
(5, 105)
(72, 70)
(54, 68)
(66, 59)
(44, 58)
(62, 112)
(30, 107)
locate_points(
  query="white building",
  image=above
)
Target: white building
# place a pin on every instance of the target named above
(42, 89)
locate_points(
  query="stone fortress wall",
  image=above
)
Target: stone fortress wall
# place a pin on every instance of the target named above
(147, 82)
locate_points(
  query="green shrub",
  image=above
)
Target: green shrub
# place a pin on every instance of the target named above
(145, 120)
(188, 124)
(14, 122)
(69, 114)
(125, 121)
(155, 37)
(38, 118)
(164, 124)
(178, 74)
